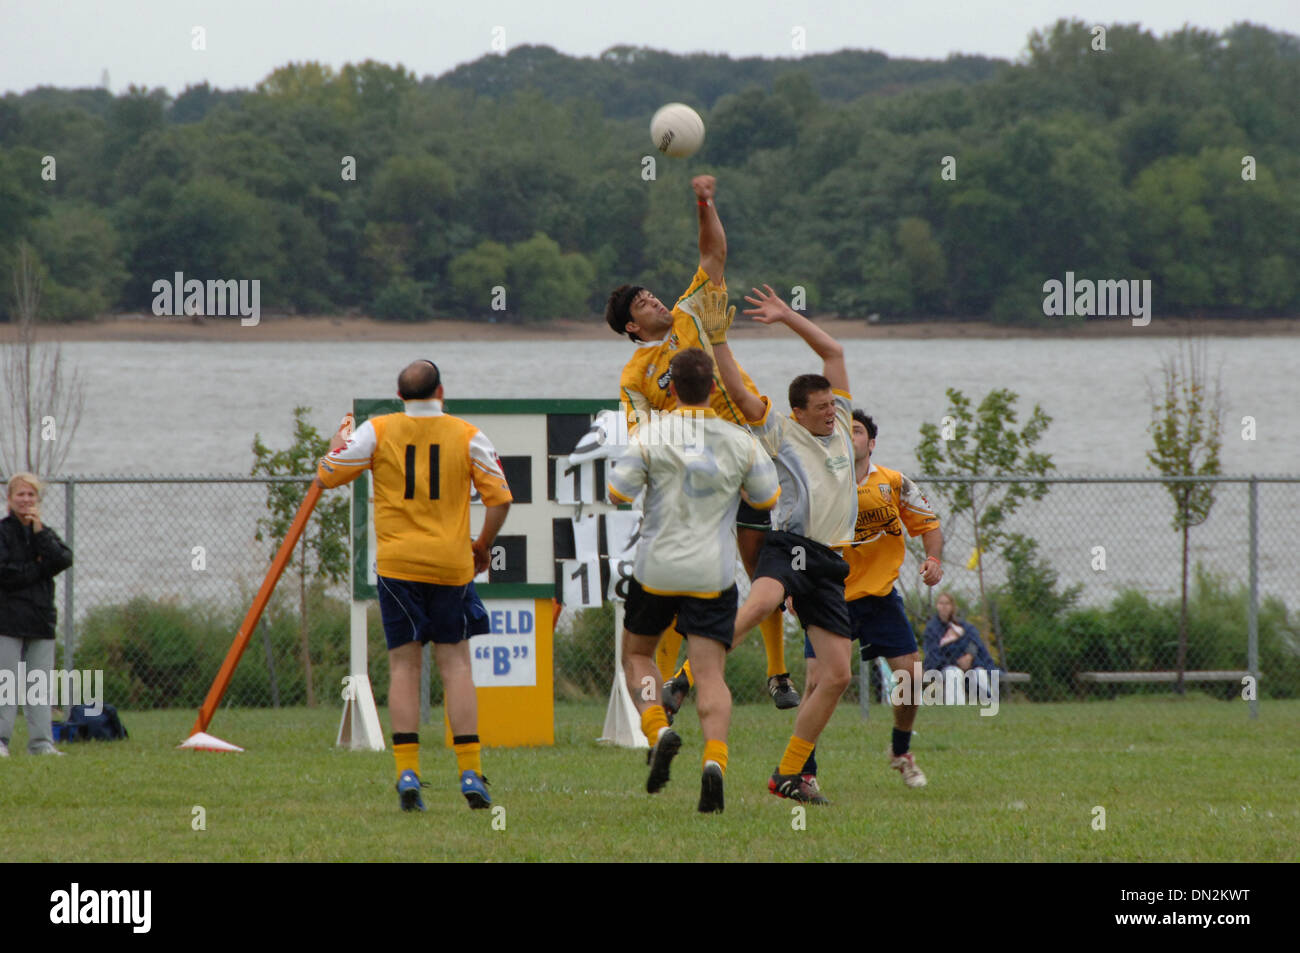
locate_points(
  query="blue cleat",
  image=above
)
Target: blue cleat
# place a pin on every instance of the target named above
(408, 791)
(472, 786)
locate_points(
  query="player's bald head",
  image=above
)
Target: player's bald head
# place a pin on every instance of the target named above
(419, 380)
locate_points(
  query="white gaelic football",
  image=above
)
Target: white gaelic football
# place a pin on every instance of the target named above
(677, 130)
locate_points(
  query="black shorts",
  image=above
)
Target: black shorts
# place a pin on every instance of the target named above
(427, 612)
(646, 613)
(880, 625)
(751, 518)
(812, 574)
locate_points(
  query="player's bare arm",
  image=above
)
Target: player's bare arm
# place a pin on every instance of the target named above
(493, 520)
(932, 568)
(750, 404)
(768, 308)
(713, 240)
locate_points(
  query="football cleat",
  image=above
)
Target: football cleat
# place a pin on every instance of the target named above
(795, 788)
(711, 789)
(661, 757)
(905, 765)
(408, 791)
(782, 691)
(473, 786)
(814, 790)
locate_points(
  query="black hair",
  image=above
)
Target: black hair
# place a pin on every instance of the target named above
(861, 417)
(803, 385)
(618, 310)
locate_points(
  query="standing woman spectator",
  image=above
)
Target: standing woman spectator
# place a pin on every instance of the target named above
(31, 555)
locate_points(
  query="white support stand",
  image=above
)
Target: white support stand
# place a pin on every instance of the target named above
(359, 727)
(622, 721)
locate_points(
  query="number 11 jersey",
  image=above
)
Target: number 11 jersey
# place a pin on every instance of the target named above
(424, 462)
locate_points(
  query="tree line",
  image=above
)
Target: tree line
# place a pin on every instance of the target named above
(517, 187)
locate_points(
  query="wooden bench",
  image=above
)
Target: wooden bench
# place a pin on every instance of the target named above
(1114, 678)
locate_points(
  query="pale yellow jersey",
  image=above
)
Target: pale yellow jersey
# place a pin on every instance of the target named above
(424, 462)
(888, 503)
(643, 385)
(692, 466)
(818, 493)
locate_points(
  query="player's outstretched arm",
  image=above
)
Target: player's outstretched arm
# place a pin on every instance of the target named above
(713, 240)
(750, 404)
(768, 308)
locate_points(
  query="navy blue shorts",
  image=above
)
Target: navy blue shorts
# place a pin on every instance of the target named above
(880, 625)
(426, 612)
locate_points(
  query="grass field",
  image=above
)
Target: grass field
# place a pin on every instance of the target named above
(1180, 780)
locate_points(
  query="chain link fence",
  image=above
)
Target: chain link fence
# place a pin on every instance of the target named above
(166, 567)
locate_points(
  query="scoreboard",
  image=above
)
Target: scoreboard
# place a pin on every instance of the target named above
(562, 540)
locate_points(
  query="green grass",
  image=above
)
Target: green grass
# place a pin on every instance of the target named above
(1180, 779)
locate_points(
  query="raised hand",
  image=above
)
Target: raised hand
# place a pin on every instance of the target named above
(768, 308)
(704, 186)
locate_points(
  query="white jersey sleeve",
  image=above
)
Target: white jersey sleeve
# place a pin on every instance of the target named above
(761, 485)
(629, 472)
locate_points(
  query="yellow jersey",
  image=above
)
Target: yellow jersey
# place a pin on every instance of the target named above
(424, 462)
(643, 385)
(888, 503)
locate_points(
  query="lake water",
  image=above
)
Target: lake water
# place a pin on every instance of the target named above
(194, 407)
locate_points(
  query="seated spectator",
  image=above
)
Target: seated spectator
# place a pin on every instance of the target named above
(951, 641)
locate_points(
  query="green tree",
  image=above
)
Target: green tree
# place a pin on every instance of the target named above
(1186, 413)
(474, 273)
(323, 549)
(546, 282)
(983, 441)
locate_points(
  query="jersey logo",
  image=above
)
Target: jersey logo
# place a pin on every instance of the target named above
(884, 491)
(836, 464)
(665, 379)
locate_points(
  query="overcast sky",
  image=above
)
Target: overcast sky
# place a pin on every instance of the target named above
(70, 43)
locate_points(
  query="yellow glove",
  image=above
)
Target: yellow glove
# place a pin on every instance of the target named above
(715, 317)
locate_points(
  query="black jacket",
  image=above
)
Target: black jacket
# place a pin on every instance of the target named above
(28, 564)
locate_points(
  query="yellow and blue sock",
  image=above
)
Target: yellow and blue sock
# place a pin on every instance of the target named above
(653, 720)
(774, 644)
(716, 751)
(468, 754)
(796, 755)
(406, 751)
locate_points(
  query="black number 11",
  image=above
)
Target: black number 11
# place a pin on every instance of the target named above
(434, 452)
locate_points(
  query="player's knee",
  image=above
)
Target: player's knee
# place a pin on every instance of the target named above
(835, 677)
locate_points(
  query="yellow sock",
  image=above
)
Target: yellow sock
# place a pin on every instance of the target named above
(469, 757)
(686, 670)
(774, 643)
(716, 751)
(796, 755)
(407, 757)
(653, 719)
(670, 643)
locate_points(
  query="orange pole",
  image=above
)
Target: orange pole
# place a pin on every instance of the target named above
(282, 557)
